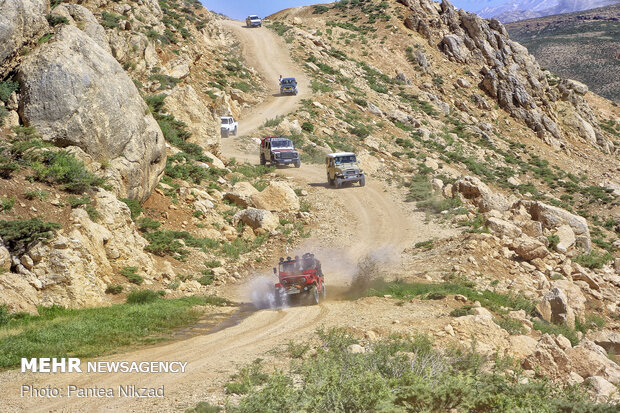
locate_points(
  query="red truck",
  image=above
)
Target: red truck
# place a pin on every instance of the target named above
(278, 151)
(300, 280)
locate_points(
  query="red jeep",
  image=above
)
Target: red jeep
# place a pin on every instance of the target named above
(301, 280)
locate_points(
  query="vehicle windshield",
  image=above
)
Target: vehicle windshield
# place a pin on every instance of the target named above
(289, 267)
(345, 159)
(289, 82)
(253, 17)
(281, 143)
(226, 121)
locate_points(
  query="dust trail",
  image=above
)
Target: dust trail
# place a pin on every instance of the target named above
(261, 291)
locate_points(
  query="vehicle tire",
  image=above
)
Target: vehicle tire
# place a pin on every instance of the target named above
(330, 181)
(224, 134)
(363, 181)
(338, 183)
(323, 293)
(313, 296)
(297, 164)
(262, 159)
(235, 131)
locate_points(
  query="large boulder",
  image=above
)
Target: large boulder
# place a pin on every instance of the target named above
(477, 192)
(529, 248)
(554, 308)
(103, 114)
(241, 194)
(553, 217)
(21, 22)
(588, 359)
(609, 340)
(278, 196)
(257, 219)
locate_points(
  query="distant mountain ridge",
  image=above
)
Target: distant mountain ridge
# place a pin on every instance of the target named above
(582, 45)
(513, 11)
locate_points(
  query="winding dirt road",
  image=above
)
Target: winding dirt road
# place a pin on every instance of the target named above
(372, 219)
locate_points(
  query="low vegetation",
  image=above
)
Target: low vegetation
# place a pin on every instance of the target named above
(400, 374)
(89, 332)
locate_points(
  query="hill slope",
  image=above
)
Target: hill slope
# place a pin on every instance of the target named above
(528, 9)
(583, 46)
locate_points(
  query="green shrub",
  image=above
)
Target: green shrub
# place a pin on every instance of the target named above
(242, 86)
(554, 240)
(320, 9)
(463, 311)
(20, 233)
(64, 169)
(247, 378)
(6, 204)
(213, 264)
(204, 407)
(37, 193)
(308, 127)
(142, 297)
(110, 20)
(147, 224)
(165, 81)
(511, 325)
(132, 275)
(75, 202)
(56, 20)
(420, 189)
(6, 88)
(593, 259)
(427, 245)
(555, 329)
(114, 289)
(270, 123)
(165, 242)
(5, 315)
(206, 279)
(134, 207)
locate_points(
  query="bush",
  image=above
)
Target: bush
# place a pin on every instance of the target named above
(6, 204)
(142, 297)
(114, 289)
(206, 279)
(110, 20)
(165, 81)
(40, 194)
(5, 315)
(554, 240)
(146, 224)
(134, 207)
(511, 325)
(75, 202)
(593, 259)
(463, 311)
(64, 169)
(270, 123)
(132, 275)
(6, 88)
(308, 127)
(204, 407)
(20, 233)
(420, 189)
(56, 20)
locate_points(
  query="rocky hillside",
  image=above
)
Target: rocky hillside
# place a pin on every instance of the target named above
(583, 46)
(460, 119)
(529, 9)
(108, 154)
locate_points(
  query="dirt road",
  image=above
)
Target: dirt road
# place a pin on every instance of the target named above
(368, 218)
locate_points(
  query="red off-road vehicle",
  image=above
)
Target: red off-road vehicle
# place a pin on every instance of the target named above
(301, 280)
(278, 151)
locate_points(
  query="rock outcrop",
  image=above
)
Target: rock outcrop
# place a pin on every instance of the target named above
(278, 196)
(74, 268)
(21, 22)
(104, 114)
(257, 219)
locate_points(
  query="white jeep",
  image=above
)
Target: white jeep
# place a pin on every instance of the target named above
(229, 126)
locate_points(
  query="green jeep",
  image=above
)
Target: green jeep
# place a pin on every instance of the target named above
(343, 167)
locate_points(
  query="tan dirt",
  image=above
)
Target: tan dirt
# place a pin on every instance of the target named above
(364, 220)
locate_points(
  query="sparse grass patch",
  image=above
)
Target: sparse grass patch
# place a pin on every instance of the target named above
(64, 169)
(90, 332)
(19, 234)
(594, 259)
(134, 207)
(132, 275)
(142, 297)
(555, 329)
(114, 289)
(6, 204)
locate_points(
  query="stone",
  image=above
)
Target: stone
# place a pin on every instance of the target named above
(104, 115)
(241, 194)
(529, 248)
(374, 109)
(521, 346)
(84, 19)
(603, 389)
(476, 191)
(356, 349)
(567, 238)
(588, 359)
(607, 339)
(503, 228)
(257, 218)
(554, 308)
(278, 196)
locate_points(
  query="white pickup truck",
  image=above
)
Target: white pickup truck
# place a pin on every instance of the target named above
(229, 126)
(253, 21)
